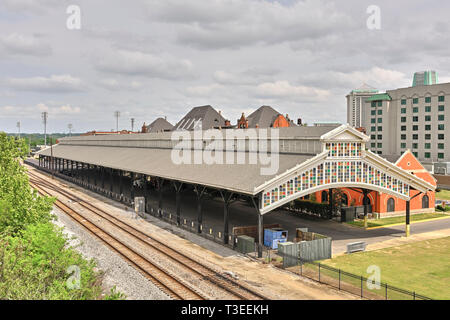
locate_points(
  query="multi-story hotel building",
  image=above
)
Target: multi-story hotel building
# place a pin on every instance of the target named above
(355, 104)
(411, 118)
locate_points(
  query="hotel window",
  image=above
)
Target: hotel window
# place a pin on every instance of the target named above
(403, 119)
(380, 112)
(441, 126)
(372, 145)
(403, 128)
(427, 155)
(380, 120)
(441, 98)
(428, 109)
(403, 102)
(415, 154)
(372, 120)
(373, 128)
(441, 117)
(428, 99)
(440, 156)
(428, 136)
(415, 100)
(372, 112)
(403, 145)
(415, 119)
(374, 103)
(403, 110)
(440, 146)
(380, 103)
(428, 127)
(415, 137)
(380, 137)
(415, 128)
(441, 136)
(380, 128)
(427, 118)
(373, 137)
(441, 108)
(416, 109)
(415, 145)
(427, 145)
(403, 136)
(379, 145)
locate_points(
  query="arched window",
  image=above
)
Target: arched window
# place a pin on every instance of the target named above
(324, 196)
(344, 200)
(366, 201)
(391, 205)
(425, 202)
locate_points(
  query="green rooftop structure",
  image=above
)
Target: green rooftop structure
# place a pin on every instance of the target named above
(380, 97)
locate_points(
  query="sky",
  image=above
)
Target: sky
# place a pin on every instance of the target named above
(160, 58)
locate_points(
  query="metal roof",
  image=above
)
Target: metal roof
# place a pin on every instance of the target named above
(264, 117)
(380, 96)
(206, 115)
(242, 178)
(159, 125)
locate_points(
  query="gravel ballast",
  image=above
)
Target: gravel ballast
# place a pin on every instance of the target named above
(116, 271)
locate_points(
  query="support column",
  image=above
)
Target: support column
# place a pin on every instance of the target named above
(200, 192)
(160, 183)
(226, 197)
(178, 186)
(260, 234)
(111, 179)
(365, 198)
(408, 213)
(120, 182)
(132, 185)
(330, 202)
(102, 172)
(94, 173)
(88, 169)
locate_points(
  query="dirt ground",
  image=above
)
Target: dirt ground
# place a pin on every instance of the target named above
(272, 282)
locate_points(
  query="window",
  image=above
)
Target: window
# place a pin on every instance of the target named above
(403, 102)
(440, 156)
(415, 100)
(380, 112)
(427, 155)
(380, 128)
(415, 154)
(441, 126)
(372, 145)
(415, 136)
(416, 109)
(373, 137)
(374, 104)
(390, 205)
(372, 112)
(427, 118)
(441, 98)
(403, 119)
(403, 110)
(379, 145)
(403, 145)
(324, 196)
(440, 146)
(428, 99)
(415, 128)
(373, 128)
(379, 152)
(380, 120)
(344, 200)
(415, 119)
(380, 137)
(403, 128)
(428, 127)
(440, 117)
(425, 202)
(415, 145)
(440, 136)
(380, 103)
(403, 137)
(372, 120)
(428, 136)
(427, 109)
(428, 146)
(441, 108)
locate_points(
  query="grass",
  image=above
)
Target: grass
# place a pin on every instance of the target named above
(422, 267)
(443, 195)
(400, 219)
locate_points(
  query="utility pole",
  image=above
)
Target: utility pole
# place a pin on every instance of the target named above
(44, 120)
(132, 124)
(70, 126)
(18, 126)
(117, 115)
(51, 156)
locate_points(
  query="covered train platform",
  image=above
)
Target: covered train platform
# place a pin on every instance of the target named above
(309, 159)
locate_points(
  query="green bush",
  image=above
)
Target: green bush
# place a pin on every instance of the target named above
(311, 207)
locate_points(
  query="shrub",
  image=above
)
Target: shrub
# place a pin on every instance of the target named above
(315, 208)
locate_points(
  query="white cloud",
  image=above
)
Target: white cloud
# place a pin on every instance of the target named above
(35, 6)
(16, 43)
(204, 91)
(127, 62)
(54, 83)
(283, 89)
(113, 84)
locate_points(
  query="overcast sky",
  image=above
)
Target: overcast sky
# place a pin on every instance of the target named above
(152, 58)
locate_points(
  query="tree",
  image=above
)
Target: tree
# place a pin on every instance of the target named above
(19, 204)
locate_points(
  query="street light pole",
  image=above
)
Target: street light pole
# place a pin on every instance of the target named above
(44, 119)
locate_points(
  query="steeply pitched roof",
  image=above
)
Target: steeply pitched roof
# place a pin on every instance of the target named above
(159, 125)
(207, 116)
(263, 117)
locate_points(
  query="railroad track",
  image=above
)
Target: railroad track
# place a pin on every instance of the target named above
(217, 279)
